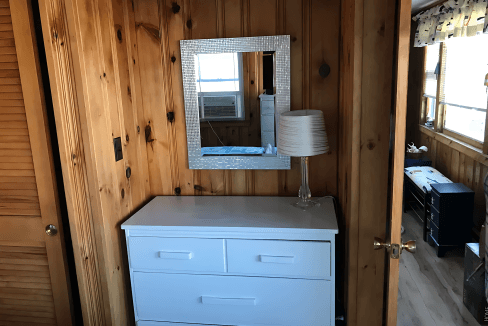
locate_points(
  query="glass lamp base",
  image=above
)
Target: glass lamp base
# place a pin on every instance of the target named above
(306, 204)
(305, 196)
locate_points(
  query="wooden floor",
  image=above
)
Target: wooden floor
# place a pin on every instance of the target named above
(430, 288)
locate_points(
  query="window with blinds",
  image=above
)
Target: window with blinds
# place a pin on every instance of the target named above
(463, 89)
(430, 81)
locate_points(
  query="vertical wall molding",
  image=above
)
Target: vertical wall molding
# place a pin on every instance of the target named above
(367, 51)
(66, 107)
(352, 21)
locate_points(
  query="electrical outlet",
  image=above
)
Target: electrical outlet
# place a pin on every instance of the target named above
(118, 149)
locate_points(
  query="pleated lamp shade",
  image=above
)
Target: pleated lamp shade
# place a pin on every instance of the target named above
(302, 133)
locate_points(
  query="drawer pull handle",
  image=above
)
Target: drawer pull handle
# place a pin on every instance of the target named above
(229, 301)
(277, 259)
(182, 255)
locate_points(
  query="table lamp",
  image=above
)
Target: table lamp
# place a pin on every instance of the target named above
(302, 134)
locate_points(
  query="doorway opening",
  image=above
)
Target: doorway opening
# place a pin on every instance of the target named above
(443, 199)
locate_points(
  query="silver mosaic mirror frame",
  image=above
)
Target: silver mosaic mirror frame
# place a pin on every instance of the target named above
(189, 48)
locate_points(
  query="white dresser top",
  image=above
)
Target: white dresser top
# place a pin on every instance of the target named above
(226, 213)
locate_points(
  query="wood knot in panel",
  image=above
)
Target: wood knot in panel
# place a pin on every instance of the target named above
(170, 116)
(381, 31)
(175, 8)
(119, 32)
(152, 30)
(148, 132)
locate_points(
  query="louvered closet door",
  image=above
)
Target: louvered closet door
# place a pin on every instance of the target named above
(33, 273)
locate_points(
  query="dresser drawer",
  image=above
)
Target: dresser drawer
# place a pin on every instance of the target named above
(267, 107)
(231, 300)
(434, 215)
(447, 236)
(181, 254)
(452, 198)
(434, 232)
(435, 200)
(279, 258)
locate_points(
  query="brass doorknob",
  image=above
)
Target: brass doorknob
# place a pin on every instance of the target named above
(395, 249)
(410, 246)
(380, 244)
(51, 230)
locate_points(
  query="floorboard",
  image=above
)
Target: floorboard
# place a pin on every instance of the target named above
(430, 288)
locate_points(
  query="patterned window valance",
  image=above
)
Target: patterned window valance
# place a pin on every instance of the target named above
(454, 18)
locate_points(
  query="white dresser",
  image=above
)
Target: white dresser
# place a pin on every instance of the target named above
(232, 261)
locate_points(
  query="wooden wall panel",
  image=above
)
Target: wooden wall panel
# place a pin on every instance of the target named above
(324, 91)
(378, 51)
(368, 47)
(201, 19)
(97, 91)
(152, 93)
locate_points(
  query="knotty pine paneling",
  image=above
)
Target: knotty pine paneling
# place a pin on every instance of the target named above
(314, 30)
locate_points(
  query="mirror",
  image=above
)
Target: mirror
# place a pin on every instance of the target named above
(235, 89)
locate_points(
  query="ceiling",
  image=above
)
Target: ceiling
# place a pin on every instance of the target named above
(418, 5)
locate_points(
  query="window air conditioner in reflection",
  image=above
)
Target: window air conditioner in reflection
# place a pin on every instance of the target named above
(220, 107)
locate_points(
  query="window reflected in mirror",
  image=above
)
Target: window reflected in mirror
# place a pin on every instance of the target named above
(237, 117)
(220, 86)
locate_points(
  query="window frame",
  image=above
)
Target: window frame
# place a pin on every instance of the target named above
(465, 139)
(440, 114)
(240, 109)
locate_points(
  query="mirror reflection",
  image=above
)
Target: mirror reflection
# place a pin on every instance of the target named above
(236, 103)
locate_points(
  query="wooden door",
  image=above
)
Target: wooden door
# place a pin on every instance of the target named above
(33, 269)
(400, 117)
